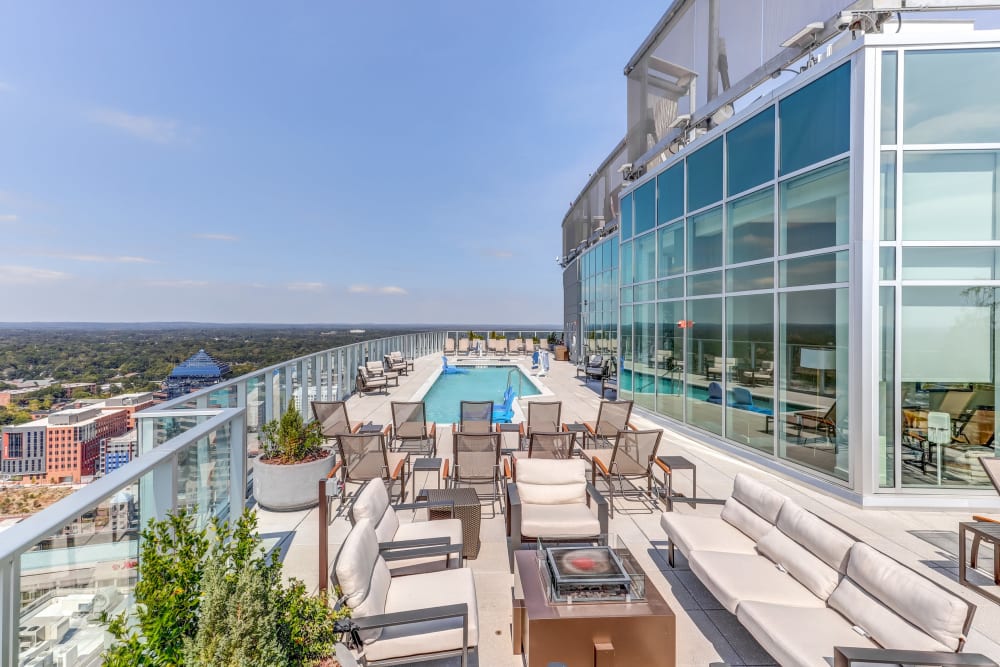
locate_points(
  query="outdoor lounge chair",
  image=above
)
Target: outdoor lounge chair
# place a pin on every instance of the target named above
(631, 458)
(372, 502)
(714, 393)
(551, 500)
(612, 417)
(407, 619)
(474, 417)
(543, 416)
(463, 346)
(378, 368)
(449, 345)
(595, 368)
(529, 346)
(366, 383)
(515, 346)
(991, 465)
(364, 457)
(394, 362)
(409, 424)
(476, 459)
(824, 421)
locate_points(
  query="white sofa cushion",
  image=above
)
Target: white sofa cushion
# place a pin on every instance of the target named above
(884, 625)
(551, 481)
(424, 591)
(745, 519)
(736, 578)
(759, 497)
(810, 571)
(921, 602)
(362, 574)
(798, 637)
(372, 502)
(822, 539)
(690, 532)
(558, 521)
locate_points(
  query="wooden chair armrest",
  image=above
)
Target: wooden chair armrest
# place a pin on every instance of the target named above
(506, 468)
(590, 427)
(335, 470)
(596, 460)
(444, 469)
(987, 519)
(399, 467)
(631, 426)
(520, 429)
(663, 466)
(356, 427)
(432, 431)
(387, 431)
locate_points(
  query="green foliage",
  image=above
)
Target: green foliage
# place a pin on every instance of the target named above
(11, 416)
(212, 598)
(290, 439)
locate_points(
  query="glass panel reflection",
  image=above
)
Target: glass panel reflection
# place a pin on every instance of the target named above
(750, 147)
(704, 237)
(704, 184)
(948, 384)
(670, 194)
(813, 387)
(704, 364)
(816, 121)
(815, 209)
(749, 409)
(644, 362)
(950, 196)
(645, 257)
(671, 259)
(951, 96)
(670, 360)
(753, 277)
(814, 270)
(889, 67)
(751, 227)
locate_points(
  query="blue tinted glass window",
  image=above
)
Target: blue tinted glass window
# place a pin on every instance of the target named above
(705, 176)
(645, 208)
(671, 249)
(670, 194)
(626, 267)
(626, 232)
(751, 152)
(704, 238)
(816, 121)
(645, 257)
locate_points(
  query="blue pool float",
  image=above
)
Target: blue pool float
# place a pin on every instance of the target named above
(451, 370)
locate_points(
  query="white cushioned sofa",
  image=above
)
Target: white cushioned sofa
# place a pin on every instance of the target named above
(802, 587)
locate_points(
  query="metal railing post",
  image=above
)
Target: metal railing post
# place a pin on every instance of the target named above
(164, 492)
(237, 466)
(10, 611)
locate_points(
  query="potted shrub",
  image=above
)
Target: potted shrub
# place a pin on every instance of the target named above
(292, 461)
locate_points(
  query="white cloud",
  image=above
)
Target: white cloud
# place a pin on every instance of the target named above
(8, 217)
(147, 128)
(177, 283)
(26, 275)
(104, 259)
(499, 254)
(368, 289)
(216, 237)
(306, 287)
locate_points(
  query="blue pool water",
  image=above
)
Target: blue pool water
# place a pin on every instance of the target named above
(479, 384)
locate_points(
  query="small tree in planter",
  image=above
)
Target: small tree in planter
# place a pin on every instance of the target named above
(292, 462)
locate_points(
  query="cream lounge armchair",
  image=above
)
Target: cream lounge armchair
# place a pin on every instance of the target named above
(372, 502)
(812, 595)
(378, 368)
(395, 363)
(405, 619)
(551, 500)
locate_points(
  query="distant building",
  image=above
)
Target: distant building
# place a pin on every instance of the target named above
(201, 370)
(116, 452)
(74, 437)
(131, 403)
(23, 450)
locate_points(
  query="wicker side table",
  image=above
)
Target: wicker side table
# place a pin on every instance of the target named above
(467, 510)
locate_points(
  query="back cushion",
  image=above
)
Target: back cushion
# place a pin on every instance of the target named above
(807, 569)
(551, 481)
(924, 604)
(824, 541)
(373, 503)
(362, 574)
(882, 624)
(744, 519)
(762, 499)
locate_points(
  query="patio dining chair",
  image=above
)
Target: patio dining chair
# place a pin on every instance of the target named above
(612, 417)
(992, 466)
(474, 417)
(333, 419)
(476, 459)
(630, 459)
(552, 445)
(365, 456)
(409, 425)
(543, 416)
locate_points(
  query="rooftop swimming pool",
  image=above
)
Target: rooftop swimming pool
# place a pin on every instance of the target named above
(479, 384)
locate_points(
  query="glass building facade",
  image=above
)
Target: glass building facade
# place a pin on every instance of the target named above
(814, 283)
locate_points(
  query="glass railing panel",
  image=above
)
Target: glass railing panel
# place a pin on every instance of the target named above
(73, 576)
(204, 474)
(223, 398)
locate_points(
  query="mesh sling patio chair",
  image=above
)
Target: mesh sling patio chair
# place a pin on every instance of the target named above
(333, 419)
(474, 417)
(409, 425)
(552, 445)
(991, 464)
(476, 458)
(543, 417)
(612, 417)
(365, 456)
(631, 458)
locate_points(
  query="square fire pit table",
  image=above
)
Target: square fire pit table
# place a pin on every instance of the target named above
(467, 510)
(601, 632)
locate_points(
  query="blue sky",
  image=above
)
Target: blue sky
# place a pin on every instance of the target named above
(301, 162)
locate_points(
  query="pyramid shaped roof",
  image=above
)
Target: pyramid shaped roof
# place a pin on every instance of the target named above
(200, 365)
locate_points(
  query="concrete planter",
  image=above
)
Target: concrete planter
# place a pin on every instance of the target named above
(282, 488)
